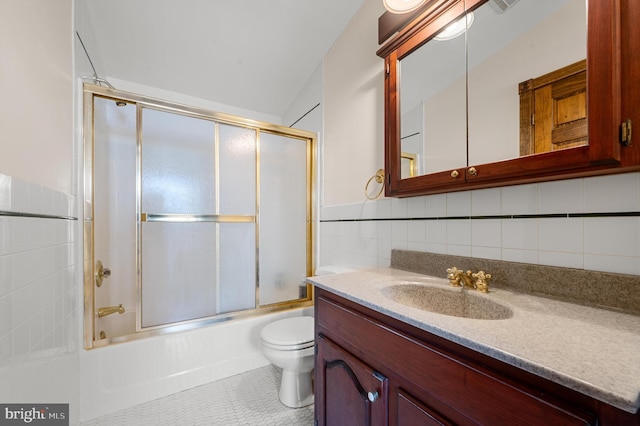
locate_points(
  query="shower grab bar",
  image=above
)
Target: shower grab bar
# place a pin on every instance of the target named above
(186, 218)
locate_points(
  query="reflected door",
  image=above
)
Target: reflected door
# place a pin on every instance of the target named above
(553, 110)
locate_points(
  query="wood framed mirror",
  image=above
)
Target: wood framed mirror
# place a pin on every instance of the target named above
(476, 140)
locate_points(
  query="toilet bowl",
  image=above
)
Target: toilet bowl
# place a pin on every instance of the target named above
(289, 344)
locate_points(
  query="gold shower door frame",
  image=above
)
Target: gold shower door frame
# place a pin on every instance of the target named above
(91, 91)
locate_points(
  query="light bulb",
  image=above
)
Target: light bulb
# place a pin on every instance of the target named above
(402, 6)
(456, 28)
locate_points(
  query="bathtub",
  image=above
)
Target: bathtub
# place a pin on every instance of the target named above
(122, 375)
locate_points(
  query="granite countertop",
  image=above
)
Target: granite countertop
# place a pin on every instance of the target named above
(593, 351)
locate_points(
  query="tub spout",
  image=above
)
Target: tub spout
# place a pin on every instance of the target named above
(108, 310)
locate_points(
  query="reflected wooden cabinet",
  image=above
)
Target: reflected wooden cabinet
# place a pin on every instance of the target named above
(553, 110)
(612, 97)
(422, 379)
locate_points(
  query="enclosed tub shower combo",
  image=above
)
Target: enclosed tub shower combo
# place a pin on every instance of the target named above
(191, 217)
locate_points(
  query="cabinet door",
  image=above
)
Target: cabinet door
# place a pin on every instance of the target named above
(348, 392)
(630, 14)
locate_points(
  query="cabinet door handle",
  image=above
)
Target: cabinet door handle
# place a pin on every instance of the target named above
(472, 171)
(373, 395)
(455, 174)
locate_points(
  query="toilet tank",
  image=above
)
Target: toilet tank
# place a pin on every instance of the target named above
(332, 269)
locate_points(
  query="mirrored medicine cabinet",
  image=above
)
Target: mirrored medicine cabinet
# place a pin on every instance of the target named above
(523, 91)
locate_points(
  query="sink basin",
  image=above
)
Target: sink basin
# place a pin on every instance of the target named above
(453, 302)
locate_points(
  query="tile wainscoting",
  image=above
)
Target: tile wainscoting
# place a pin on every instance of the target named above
(587, 223)
(39, 321)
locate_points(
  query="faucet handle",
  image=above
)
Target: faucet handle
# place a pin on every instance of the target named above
(481, 281)
(453, 274)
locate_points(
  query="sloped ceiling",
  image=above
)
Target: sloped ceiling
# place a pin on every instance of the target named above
(252, 54)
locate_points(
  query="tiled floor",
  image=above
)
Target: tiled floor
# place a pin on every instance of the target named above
(246, 399)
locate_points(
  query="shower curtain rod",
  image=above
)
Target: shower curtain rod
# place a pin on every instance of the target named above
(95, 77)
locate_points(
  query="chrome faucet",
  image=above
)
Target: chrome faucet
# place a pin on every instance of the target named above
(108, 310)
(477, 281)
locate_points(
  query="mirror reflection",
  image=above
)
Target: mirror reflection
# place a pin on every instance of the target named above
(513, 85)
(433, 105)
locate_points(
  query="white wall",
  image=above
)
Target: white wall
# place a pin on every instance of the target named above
(37, 95)
(39, 305)
(353, 98)
(297, 115)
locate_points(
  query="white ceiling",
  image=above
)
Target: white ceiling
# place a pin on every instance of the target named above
(252, 54)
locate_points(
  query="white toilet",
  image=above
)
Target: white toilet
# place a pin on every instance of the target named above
(289, 344)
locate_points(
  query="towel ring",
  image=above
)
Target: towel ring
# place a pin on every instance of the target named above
(379, 178)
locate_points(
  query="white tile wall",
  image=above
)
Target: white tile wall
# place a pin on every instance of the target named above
(609, 244)
(521, 199)
(39, 327)
(612, 193)
(563, 196)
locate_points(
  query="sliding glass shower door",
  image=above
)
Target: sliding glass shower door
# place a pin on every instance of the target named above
(283, 230)
(218, 210)
(198, 218)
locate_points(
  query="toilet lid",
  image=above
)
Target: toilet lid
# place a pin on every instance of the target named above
(289, 331)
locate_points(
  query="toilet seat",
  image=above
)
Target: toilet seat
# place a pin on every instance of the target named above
(289, 334)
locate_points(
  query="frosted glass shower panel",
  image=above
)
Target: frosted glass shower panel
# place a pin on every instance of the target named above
(178, 272)
(283, 218)
(237, 170)
(114, 203)
(237, 266)
(178, 160)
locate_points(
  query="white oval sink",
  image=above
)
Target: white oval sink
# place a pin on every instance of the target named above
(452, 302)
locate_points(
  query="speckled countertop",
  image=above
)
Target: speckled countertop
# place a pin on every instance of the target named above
(593, 351)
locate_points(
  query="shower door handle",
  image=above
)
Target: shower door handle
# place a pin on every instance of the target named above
(101, 273)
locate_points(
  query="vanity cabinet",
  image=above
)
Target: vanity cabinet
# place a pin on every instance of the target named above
(354, 393)
(612, 103)
(375, 370)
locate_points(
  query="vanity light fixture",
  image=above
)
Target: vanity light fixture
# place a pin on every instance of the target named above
(456, 28)
(402, 6)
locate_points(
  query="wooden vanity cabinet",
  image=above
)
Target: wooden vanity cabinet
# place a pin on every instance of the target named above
(374, 370)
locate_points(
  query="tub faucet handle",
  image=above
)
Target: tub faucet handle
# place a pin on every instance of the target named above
(101, 273)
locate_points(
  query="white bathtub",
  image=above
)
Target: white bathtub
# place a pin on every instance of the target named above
(122, 375)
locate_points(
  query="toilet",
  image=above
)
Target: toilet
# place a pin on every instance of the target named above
(289, 344)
